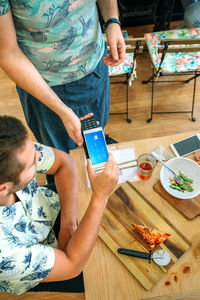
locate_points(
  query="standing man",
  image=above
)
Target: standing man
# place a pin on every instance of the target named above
(55, 52)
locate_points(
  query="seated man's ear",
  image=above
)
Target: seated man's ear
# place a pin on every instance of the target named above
(3, 189)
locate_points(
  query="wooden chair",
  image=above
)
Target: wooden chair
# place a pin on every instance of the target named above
(174, 52)
(126, 72)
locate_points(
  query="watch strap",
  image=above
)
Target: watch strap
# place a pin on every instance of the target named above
(110, 21)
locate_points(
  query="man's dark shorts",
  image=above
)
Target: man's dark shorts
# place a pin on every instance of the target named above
(89, 94)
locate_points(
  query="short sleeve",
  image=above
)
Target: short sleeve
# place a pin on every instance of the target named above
(46, 159)
(25, 268)
(4, 7)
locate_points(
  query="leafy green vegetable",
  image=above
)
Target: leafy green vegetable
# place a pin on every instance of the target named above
(175, 187)
(185, 178)
(184, 183)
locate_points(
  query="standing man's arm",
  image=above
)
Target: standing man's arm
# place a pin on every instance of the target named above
(19, 68)
(109, 9)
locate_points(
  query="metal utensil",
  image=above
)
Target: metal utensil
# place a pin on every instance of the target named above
(176, 176)
(160, 256)
(122, 165)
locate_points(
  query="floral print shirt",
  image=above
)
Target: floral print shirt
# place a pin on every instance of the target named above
(27, 238)
(62, 38)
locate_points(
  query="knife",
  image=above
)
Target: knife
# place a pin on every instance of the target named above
(140, 254)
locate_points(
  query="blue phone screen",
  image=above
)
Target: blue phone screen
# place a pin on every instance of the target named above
(96, 147)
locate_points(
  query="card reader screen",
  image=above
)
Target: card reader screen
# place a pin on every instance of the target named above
(96, 147)
(187, 146)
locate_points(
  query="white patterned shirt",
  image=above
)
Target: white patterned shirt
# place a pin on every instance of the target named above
(27, 238)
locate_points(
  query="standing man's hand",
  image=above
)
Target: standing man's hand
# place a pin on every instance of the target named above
(117, 46)
(73, 125)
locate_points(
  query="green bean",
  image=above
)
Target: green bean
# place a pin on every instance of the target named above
(188, 188)
(185, 178)
(175, 187)
(181, 182)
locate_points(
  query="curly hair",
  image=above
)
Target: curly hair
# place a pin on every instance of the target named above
(13, 135)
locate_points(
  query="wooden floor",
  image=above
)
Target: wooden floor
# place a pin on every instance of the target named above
(168, 96)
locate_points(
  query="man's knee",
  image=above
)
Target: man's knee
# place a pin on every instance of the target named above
(192, 15)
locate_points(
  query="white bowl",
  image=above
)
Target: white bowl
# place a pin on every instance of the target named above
(189, 168)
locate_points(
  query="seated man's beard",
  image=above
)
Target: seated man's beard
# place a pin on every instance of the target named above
(18, 186)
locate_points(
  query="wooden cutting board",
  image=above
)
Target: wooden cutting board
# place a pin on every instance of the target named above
(125, 206)
(190, 208)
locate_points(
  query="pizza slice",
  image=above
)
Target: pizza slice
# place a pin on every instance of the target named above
(151, 235)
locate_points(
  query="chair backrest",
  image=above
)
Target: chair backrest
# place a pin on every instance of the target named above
(179, 45)
(137, 45)
(134, 45)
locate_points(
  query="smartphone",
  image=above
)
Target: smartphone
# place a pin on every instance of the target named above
(95, 146)
(186, 146)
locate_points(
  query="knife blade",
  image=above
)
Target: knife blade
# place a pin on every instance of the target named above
(140, 254)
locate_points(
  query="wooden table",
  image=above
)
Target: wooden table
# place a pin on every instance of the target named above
(105, 276)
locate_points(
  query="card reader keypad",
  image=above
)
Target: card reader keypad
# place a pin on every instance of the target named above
(89, 123)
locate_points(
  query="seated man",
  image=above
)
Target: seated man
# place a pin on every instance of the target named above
(192, 13)
(29, 251)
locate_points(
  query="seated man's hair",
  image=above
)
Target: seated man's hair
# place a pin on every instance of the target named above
(13, 135)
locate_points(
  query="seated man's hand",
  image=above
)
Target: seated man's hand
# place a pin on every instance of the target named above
(103, 184)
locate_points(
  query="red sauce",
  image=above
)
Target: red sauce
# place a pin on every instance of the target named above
(146, 167)
(175, 278)
(186, 269)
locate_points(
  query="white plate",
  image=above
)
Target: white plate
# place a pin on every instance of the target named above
(189, 168)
